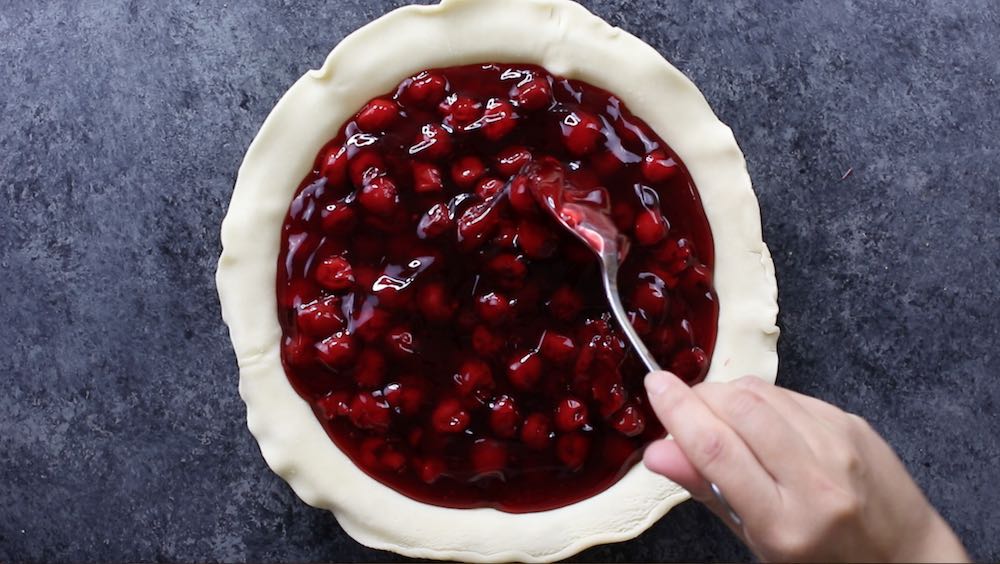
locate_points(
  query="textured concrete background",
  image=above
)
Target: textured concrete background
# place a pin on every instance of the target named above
(871, 131)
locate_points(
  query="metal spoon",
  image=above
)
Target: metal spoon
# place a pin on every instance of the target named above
(593, 225)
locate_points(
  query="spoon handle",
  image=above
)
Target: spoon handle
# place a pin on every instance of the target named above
(610, 273)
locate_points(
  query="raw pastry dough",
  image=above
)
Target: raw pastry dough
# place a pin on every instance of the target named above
(569, 41)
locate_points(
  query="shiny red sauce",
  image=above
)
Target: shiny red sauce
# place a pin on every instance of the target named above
(450, 336)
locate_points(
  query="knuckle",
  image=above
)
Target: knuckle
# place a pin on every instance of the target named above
(708, 390)
(743, 404)
(843, 506)
(858, 423)
(711, 449)
(791, 543)
(836, 504)
(750, 381)
(856, 428)
(847, 460)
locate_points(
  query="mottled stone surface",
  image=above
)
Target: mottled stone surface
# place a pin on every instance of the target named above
(871, 133)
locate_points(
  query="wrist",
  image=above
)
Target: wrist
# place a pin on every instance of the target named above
(934, 542)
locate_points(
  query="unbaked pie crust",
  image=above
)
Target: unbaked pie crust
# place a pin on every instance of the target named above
(568, 41)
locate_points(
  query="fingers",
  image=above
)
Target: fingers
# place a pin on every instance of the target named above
(711, 447)
(818, 422)
(665, 457)
(771, 437)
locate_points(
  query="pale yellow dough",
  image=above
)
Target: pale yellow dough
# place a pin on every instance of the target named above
(569, 41)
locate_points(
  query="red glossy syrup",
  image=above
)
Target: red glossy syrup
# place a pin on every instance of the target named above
(451, 337)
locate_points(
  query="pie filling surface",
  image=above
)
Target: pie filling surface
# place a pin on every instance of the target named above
(450, 336)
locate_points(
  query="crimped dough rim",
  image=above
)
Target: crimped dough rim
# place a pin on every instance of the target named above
(569, 41)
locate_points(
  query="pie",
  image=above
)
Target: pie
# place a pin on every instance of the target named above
(422, 349)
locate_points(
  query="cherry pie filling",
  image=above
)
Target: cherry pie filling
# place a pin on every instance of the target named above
(451, 337)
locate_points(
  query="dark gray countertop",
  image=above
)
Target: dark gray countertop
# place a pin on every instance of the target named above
(871, 130)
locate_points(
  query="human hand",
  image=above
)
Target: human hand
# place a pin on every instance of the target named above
(809, 481)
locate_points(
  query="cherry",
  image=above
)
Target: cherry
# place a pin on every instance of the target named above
(511, 160)
(533, 95)
(674, 254)
(379, 196)
(370, 412)
(466, 171)
(430, 469)
(606, 164)
(369, 369)
(506, 237)
(426, 178)
(401, 342)
(473, 375)
(412, 396)
(570, 414)
(629, 421)
(322, 317)
(537, 240)
(524, 370)
(521, 198)
(498, 120)
(507, 266)
(485, 342)
(335, 273)
(697, 280)
(435, 302)
(477, 224)
(297, 350)
(364, 166)
(494, 308)
(650, 228)
(640, 322)
(565, 304)
(435, 222)
(424, 90)
(450, 417)
(393, 460)
(333, 167)
(460, 111)
(297, 292)
(536, 432)
(378, 115)
(572, 449)
(557, 348)
(489, 187)
(489, 457)
(369, 451)
(432, 142)
(504, 417)
(371, 325)
(393, 394)
(581, 132)
(690, 364)
(650, 295)
(338, 218)
(391, 293)
(664, 339)
(337, 350)
(623, 214)
(658, 167)
(337, 404)
(609, 393)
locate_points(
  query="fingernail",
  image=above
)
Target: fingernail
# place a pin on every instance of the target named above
(657, 383)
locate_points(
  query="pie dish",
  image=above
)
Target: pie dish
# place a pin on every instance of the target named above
(453, 417)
